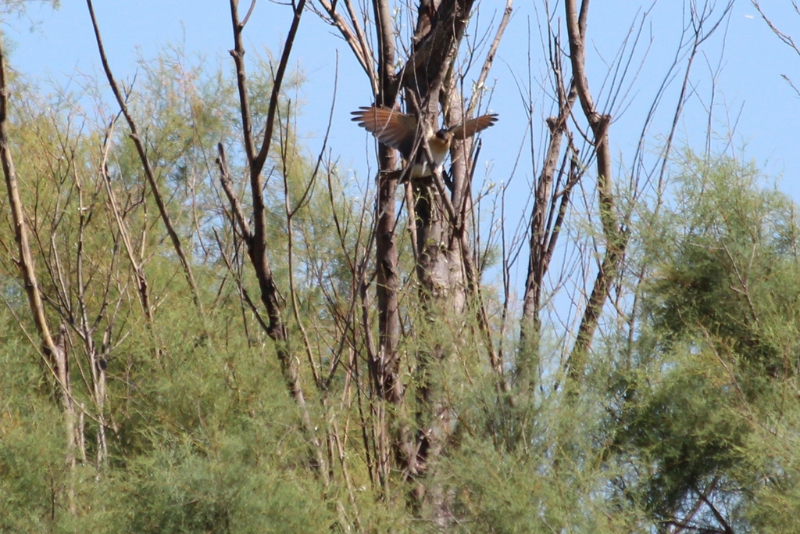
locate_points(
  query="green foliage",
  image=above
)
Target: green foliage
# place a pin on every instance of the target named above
(690, 405)
(684, 432)
(230, 490)
(716, 358)
(531, 467)
(19, 7)
(732, 267)
(33, 473)
(202, 435)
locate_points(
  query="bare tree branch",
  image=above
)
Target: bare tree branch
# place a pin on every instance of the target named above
(614, 235)
(148, 170)
(54, 347)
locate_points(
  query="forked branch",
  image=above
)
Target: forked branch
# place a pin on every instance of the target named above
(148, 169)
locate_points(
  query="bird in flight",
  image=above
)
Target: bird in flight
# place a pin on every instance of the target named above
(399, 130)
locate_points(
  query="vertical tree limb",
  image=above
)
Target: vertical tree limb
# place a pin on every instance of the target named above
(256, 238)
(54, 347)
(615, 238)
(148, 170)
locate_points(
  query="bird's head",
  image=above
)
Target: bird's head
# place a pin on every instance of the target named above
(444, 135)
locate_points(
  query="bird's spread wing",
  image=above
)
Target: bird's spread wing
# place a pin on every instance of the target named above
(473, 126)
(391, 127)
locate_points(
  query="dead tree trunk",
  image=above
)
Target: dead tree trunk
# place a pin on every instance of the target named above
(615, 236)
(385, 364)
(428, 82)
(438, 216)
(560, 172)
(255, 236)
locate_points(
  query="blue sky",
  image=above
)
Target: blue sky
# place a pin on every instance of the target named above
(749, 91)
(59, 43)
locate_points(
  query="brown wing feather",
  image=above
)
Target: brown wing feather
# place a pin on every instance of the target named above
(473, 126)
(391, 127)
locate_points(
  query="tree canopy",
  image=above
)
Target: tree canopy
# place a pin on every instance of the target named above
(206, 327)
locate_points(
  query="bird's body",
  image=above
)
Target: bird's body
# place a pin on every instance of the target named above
(399, 130)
